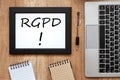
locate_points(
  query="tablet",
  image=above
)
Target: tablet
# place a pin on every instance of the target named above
(40, 30)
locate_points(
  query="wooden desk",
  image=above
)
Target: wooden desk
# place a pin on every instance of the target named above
(41, 62)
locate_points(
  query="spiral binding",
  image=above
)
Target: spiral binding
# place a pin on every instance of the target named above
(59, 63)
(19, 65)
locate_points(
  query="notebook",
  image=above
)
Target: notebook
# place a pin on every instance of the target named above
(22, 71)
(61, 70)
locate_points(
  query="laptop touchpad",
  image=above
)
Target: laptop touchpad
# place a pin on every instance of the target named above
(92, 37)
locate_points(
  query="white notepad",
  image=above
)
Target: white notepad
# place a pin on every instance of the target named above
(22, 71)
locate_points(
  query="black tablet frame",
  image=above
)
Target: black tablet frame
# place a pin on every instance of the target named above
(14, 10)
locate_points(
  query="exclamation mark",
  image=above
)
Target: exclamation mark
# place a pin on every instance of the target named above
(40, 37)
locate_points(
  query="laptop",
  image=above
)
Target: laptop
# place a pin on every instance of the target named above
(102, 39)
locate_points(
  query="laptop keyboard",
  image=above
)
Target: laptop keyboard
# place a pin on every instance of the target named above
(109, 19)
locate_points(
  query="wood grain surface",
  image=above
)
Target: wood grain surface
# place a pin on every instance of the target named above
(41, 62)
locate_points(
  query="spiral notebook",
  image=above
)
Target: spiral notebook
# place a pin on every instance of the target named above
(61, 70)
(22, 71)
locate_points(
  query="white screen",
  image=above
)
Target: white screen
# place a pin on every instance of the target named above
(29, 37)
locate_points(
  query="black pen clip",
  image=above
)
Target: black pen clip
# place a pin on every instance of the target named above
(78, 17)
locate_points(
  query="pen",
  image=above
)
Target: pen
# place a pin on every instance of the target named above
(77, 36)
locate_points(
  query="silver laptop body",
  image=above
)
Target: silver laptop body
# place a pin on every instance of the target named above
(92, 41)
